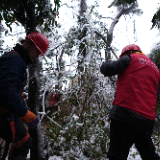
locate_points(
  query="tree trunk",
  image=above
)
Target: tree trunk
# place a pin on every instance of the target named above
(37, 151)
(82, 47)
(39, 142)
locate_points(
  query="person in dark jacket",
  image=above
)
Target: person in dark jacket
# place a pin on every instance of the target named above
(133, 113)
(13, 112)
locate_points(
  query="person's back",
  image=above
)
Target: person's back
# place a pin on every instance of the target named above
(137, 86)
(133, 113)
(13, 112)
(12, 78)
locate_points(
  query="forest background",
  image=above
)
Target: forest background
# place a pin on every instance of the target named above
(82, 34)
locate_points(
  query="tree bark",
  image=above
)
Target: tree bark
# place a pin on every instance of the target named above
(39, 144)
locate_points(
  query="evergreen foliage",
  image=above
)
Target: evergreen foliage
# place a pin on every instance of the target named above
(156, 19)
(20, 10)
(83, 117)
(80, 128)
(155, 57)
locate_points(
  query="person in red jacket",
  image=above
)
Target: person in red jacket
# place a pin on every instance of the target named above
(133, 113)
(13, 112)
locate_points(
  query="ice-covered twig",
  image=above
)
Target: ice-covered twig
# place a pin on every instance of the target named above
(54, 122)
(104, 39)
(65, 4)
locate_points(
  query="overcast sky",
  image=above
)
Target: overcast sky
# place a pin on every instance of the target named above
(124, 30)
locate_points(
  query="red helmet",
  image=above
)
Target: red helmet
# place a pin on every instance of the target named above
(129, 48)
(40, 41)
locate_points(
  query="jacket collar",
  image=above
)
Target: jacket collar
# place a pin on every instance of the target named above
(23, 53)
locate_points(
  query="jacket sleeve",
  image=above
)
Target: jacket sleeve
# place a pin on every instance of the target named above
(111, 68)
(11, 81)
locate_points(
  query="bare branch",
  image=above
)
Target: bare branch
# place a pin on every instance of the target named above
(58, 45)
(115, 21)
(65, 4)
(100, 17)
(60, 58)
(104, 39)
(122, 10)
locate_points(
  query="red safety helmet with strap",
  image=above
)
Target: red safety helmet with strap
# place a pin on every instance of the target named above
(130, 47)
(40, 41)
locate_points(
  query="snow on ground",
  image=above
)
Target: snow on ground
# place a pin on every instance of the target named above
(132, 155)
(55, 158)
(133, 151)
(129, 158)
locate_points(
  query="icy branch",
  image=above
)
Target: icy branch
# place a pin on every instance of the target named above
(65, 4)
(116, 19)
(56, 45)
(54, 122)
(104, 39)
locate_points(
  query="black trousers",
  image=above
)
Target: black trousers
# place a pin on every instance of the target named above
(6, 134)
(123, 136)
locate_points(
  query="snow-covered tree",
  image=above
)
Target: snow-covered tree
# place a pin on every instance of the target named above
(82, 130)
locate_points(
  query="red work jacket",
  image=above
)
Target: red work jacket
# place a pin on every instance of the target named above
(137, 86)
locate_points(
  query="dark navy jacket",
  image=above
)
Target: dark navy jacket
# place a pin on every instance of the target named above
(12, 77)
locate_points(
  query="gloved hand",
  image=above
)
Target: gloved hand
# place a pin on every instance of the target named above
(30, 119)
